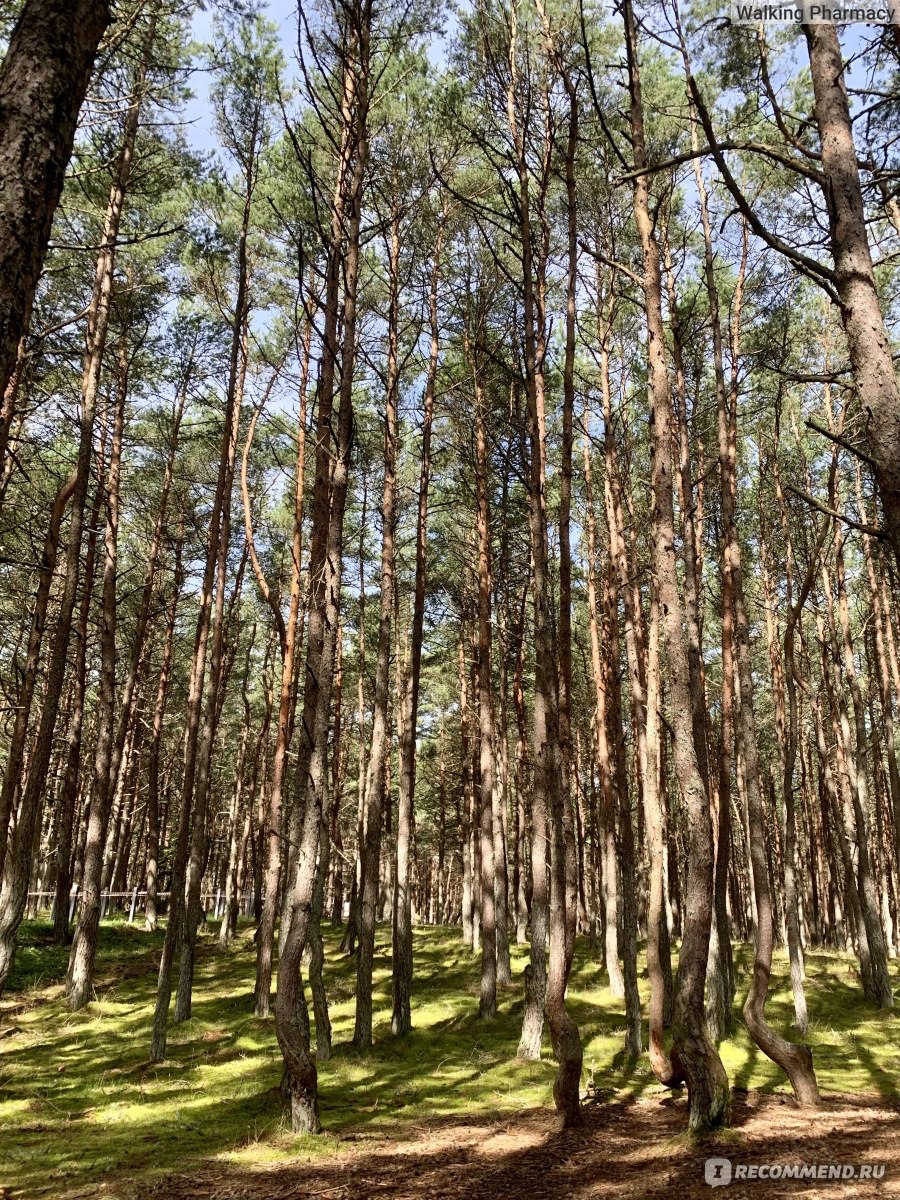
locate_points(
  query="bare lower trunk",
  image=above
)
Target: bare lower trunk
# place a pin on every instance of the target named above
(549, 799)
(79, 980)
(607, 825)
(159, 712)
(265, 935)
(379, 745)
(17, 864)
(486, 759)
(402, 964)
(235, 815)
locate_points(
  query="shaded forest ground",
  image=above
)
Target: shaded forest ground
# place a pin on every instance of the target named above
(448, 1111)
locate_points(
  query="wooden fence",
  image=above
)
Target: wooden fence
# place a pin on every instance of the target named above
(213, 903)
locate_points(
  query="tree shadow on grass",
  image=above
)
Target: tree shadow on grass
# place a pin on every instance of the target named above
(79, 1102)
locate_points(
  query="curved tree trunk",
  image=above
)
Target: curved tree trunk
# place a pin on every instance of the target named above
(867, 338)
(693, 1051)
(265, 935)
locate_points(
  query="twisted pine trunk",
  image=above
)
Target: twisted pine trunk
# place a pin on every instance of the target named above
(693, 1052)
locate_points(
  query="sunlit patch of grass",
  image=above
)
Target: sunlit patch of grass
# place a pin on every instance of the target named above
(80, 1103)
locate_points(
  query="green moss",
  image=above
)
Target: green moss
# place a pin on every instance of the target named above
(80, 1103)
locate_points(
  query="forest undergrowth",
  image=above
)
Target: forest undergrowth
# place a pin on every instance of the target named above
(83, 1111)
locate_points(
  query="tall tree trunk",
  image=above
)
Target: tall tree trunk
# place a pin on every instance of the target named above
(468, 915)
(549, 801)
(487, 1007)
(236, 812)
(607, 824)
(332, 467)
(68, 801)
(154, 840)
(265, 935)
(80, 976)
(217, 640)
(882, 631)
(402, 963)
(695, 1054)
(379, 746)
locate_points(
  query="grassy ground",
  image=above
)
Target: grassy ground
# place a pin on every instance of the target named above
(80, 1103)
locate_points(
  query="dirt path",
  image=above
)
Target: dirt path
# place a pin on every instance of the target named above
(624, 1149)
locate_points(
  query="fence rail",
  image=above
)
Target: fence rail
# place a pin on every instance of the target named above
(213, 903)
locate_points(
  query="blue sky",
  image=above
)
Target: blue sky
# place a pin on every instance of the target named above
(282, 13)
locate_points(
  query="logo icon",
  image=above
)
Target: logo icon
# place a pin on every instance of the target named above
(717, 1172)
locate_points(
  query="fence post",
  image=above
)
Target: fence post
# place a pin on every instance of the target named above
(133, 907)
(104, 903)
(73, 897)
(218, 901)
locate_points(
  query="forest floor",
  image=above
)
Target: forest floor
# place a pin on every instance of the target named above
(447, 1112)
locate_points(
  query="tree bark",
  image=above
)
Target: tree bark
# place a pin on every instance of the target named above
(695, 1054)
(548, 796)
(867, 338)
(265, 935)
(154, 839)
(332, 476)
(43, 81)
(80, 975)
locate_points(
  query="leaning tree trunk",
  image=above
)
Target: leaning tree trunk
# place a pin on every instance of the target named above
(794, 1059)
(868, 342)
(43, 81)
(12, 776)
